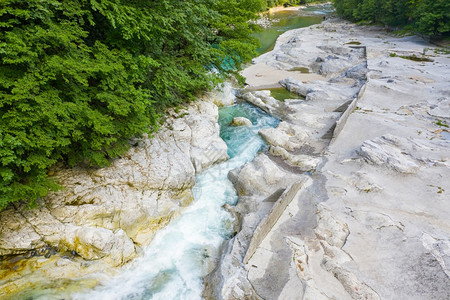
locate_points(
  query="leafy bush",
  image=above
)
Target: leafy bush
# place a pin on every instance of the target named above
(79, 78)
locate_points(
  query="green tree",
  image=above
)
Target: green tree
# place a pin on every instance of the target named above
(430, 17)
(79, 78)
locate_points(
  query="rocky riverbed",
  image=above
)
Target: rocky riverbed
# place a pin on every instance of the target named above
(352, 200)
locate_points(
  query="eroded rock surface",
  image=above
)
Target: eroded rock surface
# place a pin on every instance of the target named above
(285, 135)
(260, 177)
(386, 151)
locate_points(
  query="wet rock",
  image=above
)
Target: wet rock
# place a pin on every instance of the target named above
(241, 121)
(263, 100)
(209, 258)
(207, 148)
(223, 95)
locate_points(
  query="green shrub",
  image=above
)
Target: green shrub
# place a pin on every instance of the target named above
(79, 78)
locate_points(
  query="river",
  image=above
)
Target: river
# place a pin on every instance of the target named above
(173, 265)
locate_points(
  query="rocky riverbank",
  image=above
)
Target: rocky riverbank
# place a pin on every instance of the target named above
(352, 199)
(103, 217)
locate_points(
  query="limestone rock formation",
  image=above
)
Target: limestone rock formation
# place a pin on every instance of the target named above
(223, 95)
(263, 100)
(323, 91)
(260, 177)
(286, 135)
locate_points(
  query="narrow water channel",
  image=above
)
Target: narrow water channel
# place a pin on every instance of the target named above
(172, 266)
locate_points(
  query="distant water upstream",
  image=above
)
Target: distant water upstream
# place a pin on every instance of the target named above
(286, 20)
(171, 266)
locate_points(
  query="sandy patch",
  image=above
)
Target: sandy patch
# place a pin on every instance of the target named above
(261, 76)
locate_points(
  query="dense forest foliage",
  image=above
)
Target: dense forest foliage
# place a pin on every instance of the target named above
(79, 78)
(429, 17)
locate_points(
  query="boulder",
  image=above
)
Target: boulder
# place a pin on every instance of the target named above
(240, 121)
(260, 177)
(94, 243)
(304, 162)
(285, 135)
(263, 100)
(223, 95)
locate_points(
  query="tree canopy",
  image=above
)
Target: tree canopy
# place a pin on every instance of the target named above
(79, 78)
(429, 17)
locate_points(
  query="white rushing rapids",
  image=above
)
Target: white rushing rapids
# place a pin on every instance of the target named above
(172, 266)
